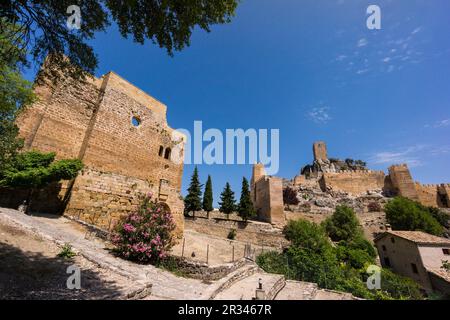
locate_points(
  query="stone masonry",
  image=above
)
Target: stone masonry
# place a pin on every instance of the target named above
(121, 135)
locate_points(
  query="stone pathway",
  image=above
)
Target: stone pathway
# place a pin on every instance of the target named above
(238, 285)
(245, 288)
(61, 230)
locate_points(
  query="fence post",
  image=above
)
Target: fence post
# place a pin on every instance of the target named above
(182, 250)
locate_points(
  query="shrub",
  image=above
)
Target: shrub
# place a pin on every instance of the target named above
(445, 265)
(374, 207)
(66, 252)
(145, 235)
(406, 214)
(343, 224)
(232, 234)
(273, 262)
(306, 234)
(400, 287)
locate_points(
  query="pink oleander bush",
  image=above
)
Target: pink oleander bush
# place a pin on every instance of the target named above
(145, 235)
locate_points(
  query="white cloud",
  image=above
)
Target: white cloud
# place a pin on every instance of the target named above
(416, 30)
(439, 124)
(409, 155)
(320, 115)
(362, 42)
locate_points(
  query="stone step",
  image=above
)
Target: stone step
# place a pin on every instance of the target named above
(245, 289)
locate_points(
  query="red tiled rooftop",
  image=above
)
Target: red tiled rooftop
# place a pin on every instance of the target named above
(418, 237)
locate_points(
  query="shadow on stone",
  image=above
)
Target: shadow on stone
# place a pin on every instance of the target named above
(33, 276)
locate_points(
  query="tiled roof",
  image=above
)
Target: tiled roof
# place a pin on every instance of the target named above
(441, 273)
(418, 237)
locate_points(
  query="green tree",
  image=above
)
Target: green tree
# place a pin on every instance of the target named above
(208, 196)
(227, 202)
(245, 207)
(15, 94)
(406, 214)
(343, 224)
(312, 257)
(43, 25)
(34, 170)
(193, 200)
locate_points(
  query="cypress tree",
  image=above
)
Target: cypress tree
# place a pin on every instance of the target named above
(193, 200)
(208, 196)
(245, 208)
(227, 202)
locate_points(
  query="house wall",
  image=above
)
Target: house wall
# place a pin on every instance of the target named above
(402, 254)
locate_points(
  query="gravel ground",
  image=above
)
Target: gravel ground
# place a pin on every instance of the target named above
(31, 269)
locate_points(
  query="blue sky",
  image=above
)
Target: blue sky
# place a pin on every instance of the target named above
(314, 71)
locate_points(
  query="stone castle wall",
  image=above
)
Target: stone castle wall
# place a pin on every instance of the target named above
(268, 200)
(402, 182)
(354, 182)
(92, 120)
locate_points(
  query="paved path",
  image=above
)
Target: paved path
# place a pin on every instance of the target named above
(61, 230)
(240, 284)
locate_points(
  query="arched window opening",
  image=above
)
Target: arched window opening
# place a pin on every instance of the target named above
(135, 121)
(161, 151)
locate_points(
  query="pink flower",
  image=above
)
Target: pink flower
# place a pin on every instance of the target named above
(129, 228)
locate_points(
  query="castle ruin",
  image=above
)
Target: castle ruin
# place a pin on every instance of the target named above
(338, 178)
(121, 135)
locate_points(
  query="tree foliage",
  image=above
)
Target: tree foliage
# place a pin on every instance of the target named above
(15, 94)
(36, 170)
(43, 25)
(193, 200)
(406, 214)
(343, 224)
(312, 257)
(207, 204)
(245, 207)
(227, 202)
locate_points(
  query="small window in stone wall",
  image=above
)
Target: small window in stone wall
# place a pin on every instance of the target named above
(135, 121)
(161, 151)
(384, 248)
(414, 268)
(393, 240)
(167, 153)
(446, 251)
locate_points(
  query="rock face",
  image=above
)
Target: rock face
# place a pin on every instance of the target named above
(313, 200)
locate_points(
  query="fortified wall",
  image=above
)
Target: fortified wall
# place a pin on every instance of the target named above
(121, 135)
(330, 177)
(354, 182)
(267, 196)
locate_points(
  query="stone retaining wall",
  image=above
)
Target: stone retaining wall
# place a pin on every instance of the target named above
(257, 233)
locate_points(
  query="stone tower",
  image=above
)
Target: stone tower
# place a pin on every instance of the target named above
(402, 181)
(320, 150)
(122, 136)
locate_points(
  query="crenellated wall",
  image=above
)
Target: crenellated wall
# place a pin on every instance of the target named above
(354, 182)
